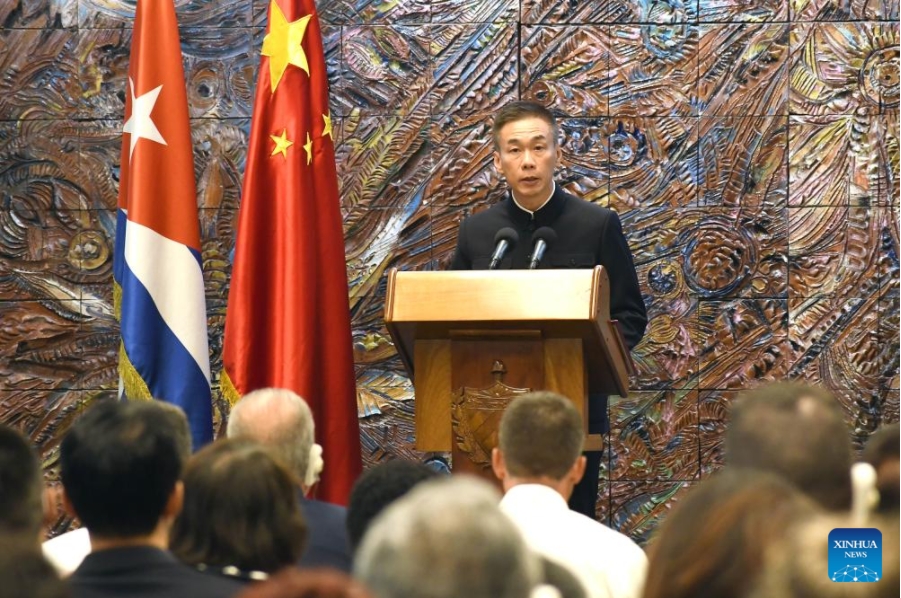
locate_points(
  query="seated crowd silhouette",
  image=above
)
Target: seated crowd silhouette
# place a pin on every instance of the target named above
(236, 519)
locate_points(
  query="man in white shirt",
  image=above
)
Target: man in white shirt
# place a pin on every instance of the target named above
(539, 461)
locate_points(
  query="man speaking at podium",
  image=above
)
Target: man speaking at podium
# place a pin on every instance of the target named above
(540, 225)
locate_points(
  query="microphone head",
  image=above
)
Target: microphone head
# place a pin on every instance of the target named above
(546, 234)
(507, 234)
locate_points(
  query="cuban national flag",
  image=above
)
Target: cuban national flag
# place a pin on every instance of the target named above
(159, 291)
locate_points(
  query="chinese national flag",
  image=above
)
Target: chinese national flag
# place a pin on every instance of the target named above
(288, 318)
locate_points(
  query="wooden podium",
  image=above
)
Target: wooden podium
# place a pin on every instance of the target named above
(473, 340)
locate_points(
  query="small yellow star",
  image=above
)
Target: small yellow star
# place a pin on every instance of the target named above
(308, 146)
(282, 143)
(283, 44)
(328, 125)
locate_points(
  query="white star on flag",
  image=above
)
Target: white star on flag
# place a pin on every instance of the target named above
(139, 124)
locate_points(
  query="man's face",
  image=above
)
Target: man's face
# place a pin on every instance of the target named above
(526, 157)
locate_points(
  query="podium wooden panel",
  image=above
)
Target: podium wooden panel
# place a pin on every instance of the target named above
(549, 330)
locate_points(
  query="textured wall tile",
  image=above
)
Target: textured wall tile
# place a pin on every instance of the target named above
(743, 69)
(38, 14)
(735, 11)
(103, 72)
(388, 435)
(835, 10)
(107, 14)
(576, 12)
(636, 508)
(584, 169)
(713, 418)
(831, 251)
(863, 411)
(743, 162)
(844, 68)
(566, 68)
(220, 69)
(54, 345)
(474, 71)
(40, 73)
(745, 342)
(667, 356)
(891, 397)
(463, 174)
(653, 70)
(653, 162)
(883, 136)
(654, 435)
(467, 11)
(383, 162)
(831, 161)
(356, 12)
(836, 342)
(385, 70)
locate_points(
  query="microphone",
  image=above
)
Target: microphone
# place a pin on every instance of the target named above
(543, 237)
(503, 240)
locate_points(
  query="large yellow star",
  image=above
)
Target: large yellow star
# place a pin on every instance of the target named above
(283, 44)
(282, 143)
(328, 125)
(308, 146)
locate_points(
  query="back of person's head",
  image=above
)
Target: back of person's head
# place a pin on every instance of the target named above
(378, 487)
(25, 573)
(540, 436)
(521, 110)
(883, 453)
(20, 487)
(240, 510)
(713, 542)
(795, 431)
(798, 565)
(309, 583)
(120, 463)
(279, 419)
(447, 538)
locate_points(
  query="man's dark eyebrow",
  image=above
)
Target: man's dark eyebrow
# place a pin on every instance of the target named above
(539, 136)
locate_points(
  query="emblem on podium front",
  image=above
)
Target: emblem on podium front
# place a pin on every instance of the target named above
(476, 416)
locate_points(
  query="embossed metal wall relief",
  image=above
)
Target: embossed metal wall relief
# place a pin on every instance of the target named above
(750, 148)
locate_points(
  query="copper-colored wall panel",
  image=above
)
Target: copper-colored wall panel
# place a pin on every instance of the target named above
(750, 148)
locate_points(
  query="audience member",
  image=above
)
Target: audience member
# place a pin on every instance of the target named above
(25, 573)
(282, 421)
(21, 512)
(447, 538)
(310, 583)
(798, 432)
(798, 565)
(240, 516)
(378, 487)
(539, 461)
(713, 542)
(883, 453)
(121, 465)
(66, 551)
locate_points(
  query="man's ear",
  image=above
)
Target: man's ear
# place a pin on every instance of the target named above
(67, 505)
(497, 161)
(176, 500)
(497, 464)
(577, 470)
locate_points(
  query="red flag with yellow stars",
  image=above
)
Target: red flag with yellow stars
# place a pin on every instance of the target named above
(288, 318)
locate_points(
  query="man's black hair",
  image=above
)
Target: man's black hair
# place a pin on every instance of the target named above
(119, 464)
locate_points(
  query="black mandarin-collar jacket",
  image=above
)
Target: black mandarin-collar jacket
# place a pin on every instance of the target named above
(587, 236)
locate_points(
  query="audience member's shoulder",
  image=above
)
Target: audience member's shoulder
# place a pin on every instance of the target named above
(320, 508)
(616, 542)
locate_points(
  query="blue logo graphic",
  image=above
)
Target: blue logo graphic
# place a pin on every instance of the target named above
(855, 554)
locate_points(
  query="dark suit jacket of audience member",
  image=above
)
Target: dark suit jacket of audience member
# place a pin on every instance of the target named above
(145, 572)
(327, 544)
